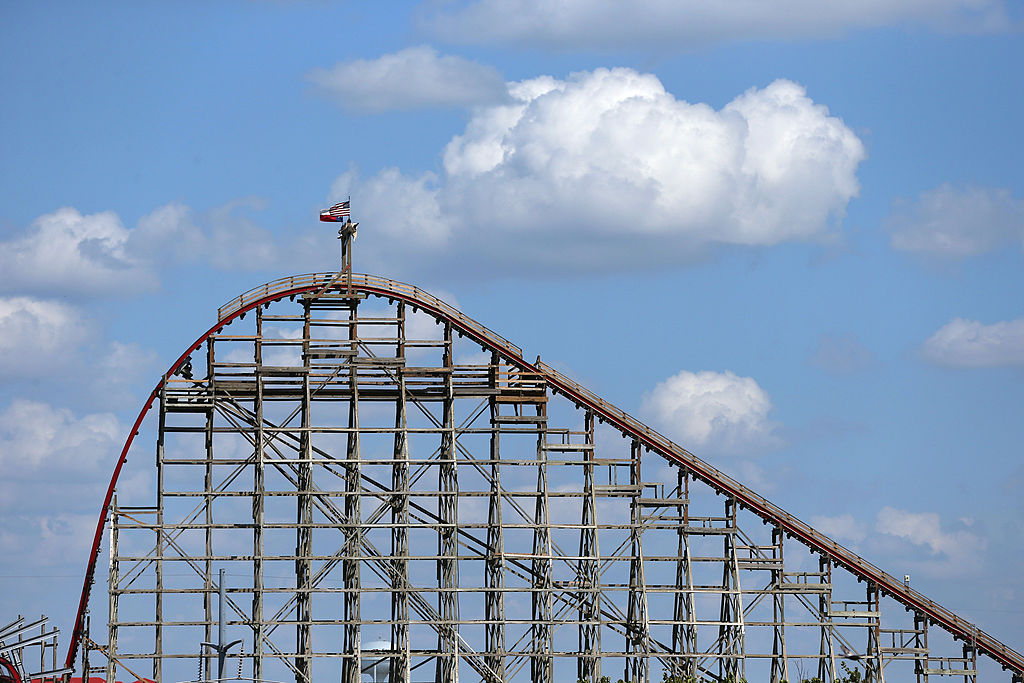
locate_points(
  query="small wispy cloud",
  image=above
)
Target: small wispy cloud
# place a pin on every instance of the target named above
(413, 78)
(674, 25)
(949, 223)
(972, 344)
(951, 551)
(843, 528)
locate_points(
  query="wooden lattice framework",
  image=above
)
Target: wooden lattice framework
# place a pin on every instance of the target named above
(381, 491)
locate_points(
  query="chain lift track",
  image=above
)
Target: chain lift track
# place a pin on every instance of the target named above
(650, 593)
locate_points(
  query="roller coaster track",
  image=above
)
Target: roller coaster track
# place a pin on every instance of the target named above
(630, 427)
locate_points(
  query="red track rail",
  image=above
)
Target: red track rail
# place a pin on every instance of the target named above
(12, 672)
(959, 628)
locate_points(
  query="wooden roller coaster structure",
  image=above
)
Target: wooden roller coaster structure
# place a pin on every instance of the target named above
(362, 476)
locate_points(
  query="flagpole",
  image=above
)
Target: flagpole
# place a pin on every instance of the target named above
(348, 265)
(346, 233)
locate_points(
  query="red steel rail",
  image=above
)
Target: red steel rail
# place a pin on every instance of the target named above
(959, 628)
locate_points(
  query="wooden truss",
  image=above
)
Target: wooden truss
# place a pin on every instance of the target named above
(384, 494)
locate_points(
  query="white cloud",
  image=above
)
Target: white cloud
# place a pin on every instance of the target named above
(76, 255)
(925, 528)
(841, 527)
(918, 542)
(230, 240)
(604, 25)
(404, 211)
(612, 148)
(608, 170)
(45, 338)
(71, 253)
(38, 336)
(169, 230)
(971, 344)
(712, 411)
(116, 370)
(55, 465)
(223, 237)
(948, 222)
(46, 540)
(34, 435)
(413, 78)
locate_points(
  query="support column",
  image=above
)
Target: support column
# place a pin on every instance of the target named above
(921, 643)
(874, 673)
(352, 664)
(780, 666)
(447, 670)
(399, 668)
(730, 632)
(542, 663)
(208, 513)
(494, 571)
(588, 664)
(258, 491)
(684, 630)
(113, 596)
(303, 519)
(826, 651)
(971, 662)
(638, 631)
(158, 629)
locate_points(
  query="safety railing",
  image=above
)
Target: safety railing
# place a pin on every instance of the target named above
(362, 281)
(647, 436)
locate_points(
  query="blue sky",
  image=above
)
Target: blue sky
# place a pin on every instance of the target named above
(792, 242)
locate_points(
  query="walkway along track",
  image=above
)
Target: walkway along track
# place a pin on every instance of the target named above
(630, 427)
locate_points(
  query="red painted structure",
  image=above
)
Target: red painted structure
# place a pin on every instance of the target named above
(8, 673)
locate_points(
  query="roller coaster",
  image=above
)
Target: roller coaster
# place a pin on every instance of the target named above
(394, 491)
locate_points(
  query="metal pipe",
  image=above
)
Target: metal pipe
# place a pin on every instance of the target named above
(219, 647)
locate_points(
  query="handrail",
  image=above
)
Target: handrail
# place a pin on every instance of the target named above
(359, 281)
(369, 284)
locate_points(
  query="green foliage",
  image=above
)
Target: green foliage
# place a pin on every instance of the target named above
(666, 678)
(853, 676)
(849, 676)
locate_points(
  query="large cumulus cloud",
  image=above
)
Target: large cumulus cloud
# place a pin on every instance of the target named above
(608, 169)
(713, 412)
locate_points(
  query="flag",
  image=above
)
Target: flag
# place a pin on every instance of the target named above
(336, 213)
